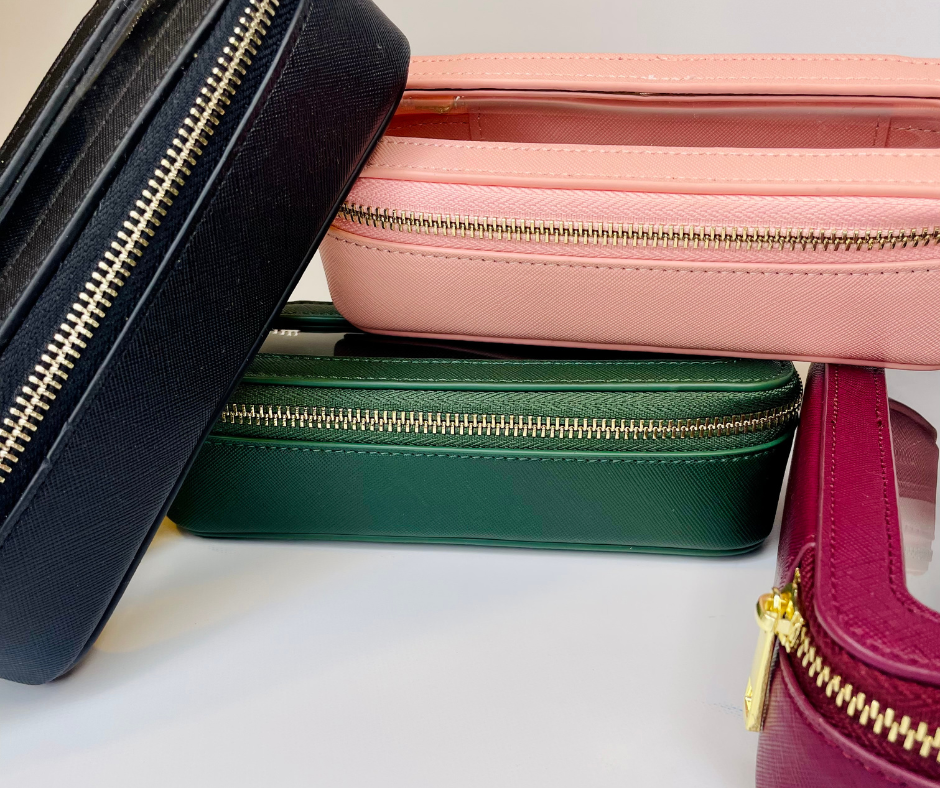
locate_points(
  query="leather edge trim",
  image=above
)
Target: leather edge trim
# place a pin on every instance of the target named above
(893, 663)
(845, 746)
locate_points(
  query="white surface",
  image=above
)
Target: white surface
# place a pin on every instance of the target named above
(258, 664)
(900, 27)
(32, 32)
(235, 664)
(295, 664)
(243, 664)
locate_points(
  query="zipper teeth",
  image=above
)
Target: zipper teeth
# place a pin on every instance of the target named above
(897, 729)
(655, 235)
(96, 296)
(355, 419)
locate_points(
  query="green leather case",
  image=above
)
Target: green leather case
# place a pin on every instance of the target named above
(337, 434)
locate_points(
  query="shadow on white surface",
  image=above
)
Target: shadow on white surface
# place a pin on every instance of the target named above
(296, 663)
(402, 665)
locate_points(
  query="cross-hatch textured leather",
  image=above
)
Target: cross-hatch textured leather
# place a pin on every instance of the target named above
(689, 495)
(72, 542)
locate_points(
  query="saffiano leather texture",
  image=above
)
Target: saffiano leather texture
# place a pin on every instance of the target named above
(344, 435)
(158, 200)
(857, 454)
(787, 202)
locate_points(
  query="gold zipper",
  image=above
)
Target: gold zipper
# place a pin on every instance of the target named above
(427, 422)
(38, 392)
(779, 619)
(652, 235)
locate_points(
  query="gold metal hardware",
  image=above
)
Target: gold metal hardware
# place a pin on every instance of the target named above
(653, 235)
(361, 419)
(96, 296)
(779, 618)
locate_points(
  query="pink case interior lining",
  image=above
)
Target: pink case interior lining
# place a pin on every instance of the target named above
(674, 121)
(531, 163)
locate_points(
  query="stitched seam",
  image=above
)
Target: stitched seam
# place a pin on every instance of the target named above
(477, 379)
(616, 268)
(906, 604)
(616, 150)
(511, 362)
(892, 556)
(833, 426)
(488, 364)
(644, 176)
(412, 453)
(549, 56)
(833, 744)
(84, 154)
(914, 128)
(155, 296)
(886, 154)
(686, 78)
(456, 123)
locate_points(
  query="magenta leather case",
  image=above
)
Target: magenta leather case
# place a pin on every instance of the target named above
(771, 206)
(855, 696)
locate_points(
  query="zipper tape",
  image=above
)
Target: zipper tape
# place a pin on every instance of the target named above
(514, 425)
(780, 619)
(38, 393)
(642, 235)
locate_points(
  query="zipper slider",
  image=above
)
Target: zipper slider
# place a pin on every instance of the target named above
(779, 619)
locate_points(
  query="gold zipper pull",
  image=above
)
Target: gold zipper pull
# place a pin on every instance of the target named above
(777, 617)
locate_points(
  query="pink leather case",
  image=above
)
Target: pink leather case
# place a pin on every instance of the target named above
(751, 205)
(841, 530)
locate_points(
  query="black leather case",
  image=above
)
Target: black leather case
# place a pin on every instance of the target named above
(159, 199)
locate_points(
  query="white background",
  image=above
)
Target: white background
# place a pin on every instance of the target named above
(237, 664)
